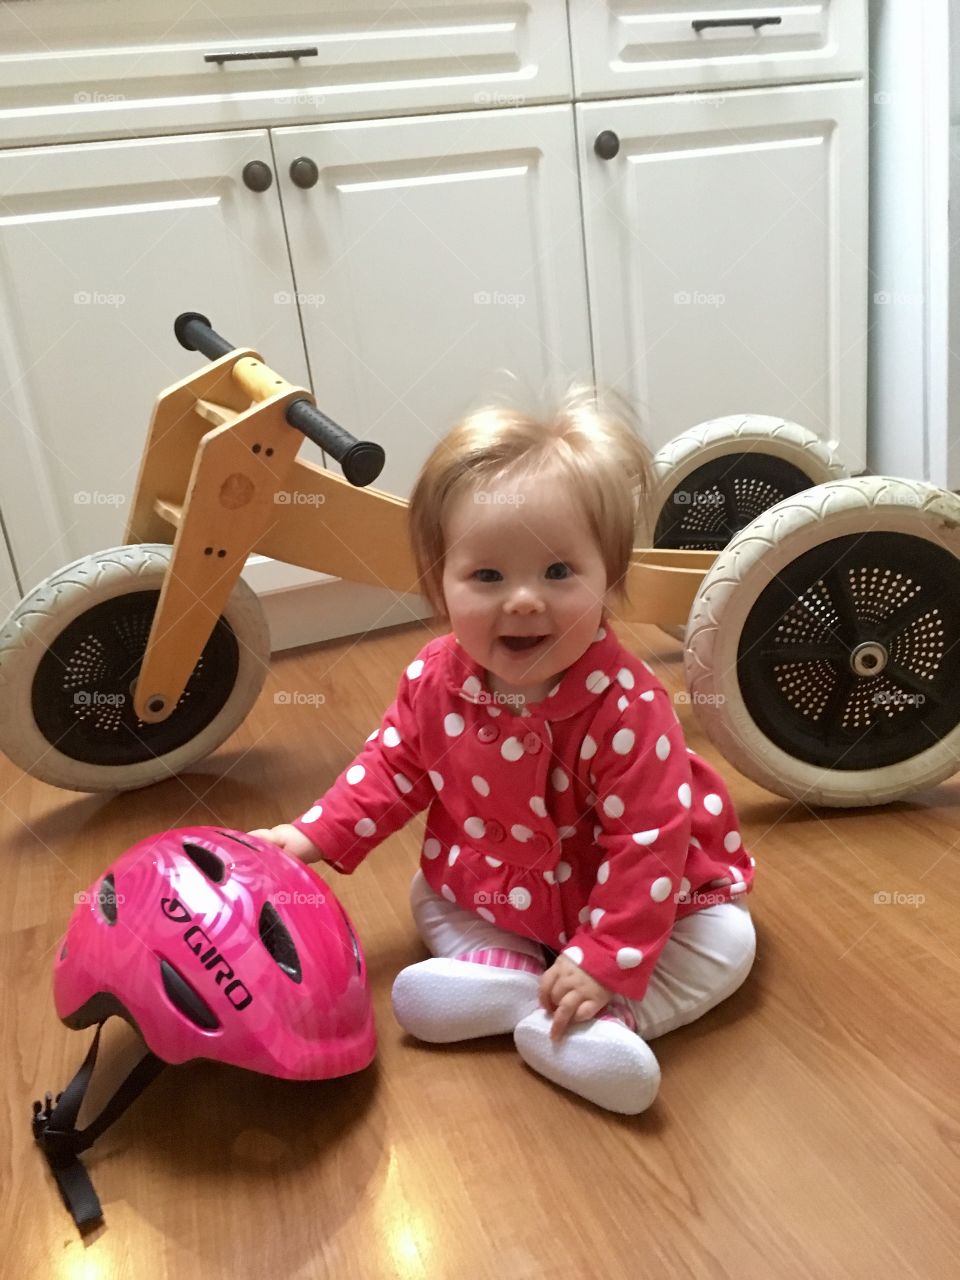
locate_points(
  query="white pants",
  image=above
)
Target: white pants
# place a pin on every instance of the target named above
(707, 957)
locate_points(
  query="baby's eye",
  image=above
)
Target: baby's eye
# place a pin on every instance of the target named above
(559, 570)
(487, 575)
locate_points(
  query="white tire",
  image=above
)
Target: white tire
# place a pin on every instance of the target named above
(686, 499)
(68, 657)
(822, 652)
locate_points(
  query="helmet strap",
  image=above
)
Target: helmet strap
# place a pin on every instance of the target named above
(55, 1129)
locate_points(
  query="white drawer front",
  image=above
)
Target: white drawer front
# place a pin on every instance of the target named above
(98, 69)
(659, 45)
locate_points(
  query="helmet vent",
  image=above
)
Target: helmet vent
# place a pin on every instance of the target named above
(208, 862)
(107, 898)
(183, 997)
(275, 936)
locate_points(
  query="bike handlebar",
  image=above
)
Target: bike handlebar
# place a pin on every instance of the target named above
(361, 460)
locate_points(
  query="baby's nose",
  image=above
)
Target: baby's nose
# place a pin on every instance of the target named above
(525, 601)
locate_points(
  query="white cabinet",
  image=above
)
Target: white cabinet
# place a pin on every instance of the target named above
(98, 68)
(659, 46)
(726, 249)
(101, 246)
(449, 233)
(431, 256)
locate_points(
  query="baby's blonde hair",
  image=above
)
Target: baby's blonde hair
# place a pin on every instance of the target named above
(592, 446)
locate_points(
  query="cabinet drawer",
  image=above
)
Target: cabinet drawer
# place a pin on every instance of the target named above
(97, 69)
(655, 45)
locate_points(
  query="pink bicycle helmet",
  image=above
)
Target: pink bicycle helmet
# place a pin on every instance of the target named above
(212, 944)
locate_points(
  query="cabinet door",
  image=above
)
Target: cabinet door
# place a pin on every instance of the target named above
(101, 246)
(656, 46)
(434, 259)
(727, 257)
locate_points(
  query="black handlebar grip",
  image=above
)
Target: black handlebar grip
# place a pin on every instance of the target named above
(195, 332)
(361, 460)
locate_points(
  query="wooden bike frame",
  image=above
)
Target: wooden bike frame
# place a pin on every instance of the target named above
(220, 479)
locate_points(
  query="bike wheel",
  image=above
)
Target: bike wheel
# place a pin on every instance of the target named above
(822, 652)
(712, 480)
(69, 657)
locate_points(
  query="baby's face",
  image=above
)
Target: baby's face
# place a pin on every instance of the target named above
(524, 583)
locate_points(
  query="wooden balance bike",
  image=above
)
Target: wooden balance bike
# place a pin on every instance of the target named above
(820, 614)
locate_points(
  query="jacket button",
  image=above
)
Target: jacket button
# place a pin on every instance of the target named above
(494, 832)
(488, 733)
(540, 842)
(531, 744)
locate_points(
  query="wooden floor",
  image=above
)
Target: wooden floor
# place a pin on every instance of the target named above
(806, 1128)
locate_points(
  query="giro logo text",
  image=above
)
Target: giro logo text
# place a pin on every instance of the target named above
(207, 953)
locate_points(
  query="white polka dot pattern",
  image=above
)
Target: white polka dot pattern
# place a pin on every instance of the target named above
(519, 780)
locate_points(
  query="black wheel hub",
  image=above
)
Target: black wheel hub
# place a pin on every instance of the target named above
(849, 658)
(83, 689)
(704, 511)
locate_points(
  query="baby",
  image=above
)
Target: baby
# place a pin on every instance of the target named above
(582, 876)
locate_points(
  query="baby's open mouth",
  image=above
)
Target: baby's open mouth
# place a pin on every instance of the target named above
(522, 644)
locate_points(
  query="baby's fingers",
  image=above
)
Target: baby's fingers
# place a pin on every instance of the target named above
(589, 1009)
(564, 1014)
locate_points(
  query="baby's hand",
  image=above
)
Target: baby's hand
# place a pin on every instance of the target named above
(287, 837)
(571, 995)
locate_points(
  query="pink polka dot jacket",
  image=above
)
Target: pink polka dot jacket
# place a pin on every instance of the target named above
(583, 822)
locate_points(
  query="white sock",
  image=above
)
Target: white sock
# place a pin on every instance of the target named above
(443, 1000)
(601, 1060)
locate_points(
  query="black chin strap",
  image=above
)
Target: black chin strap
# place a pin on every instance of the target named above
(55, 1129)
